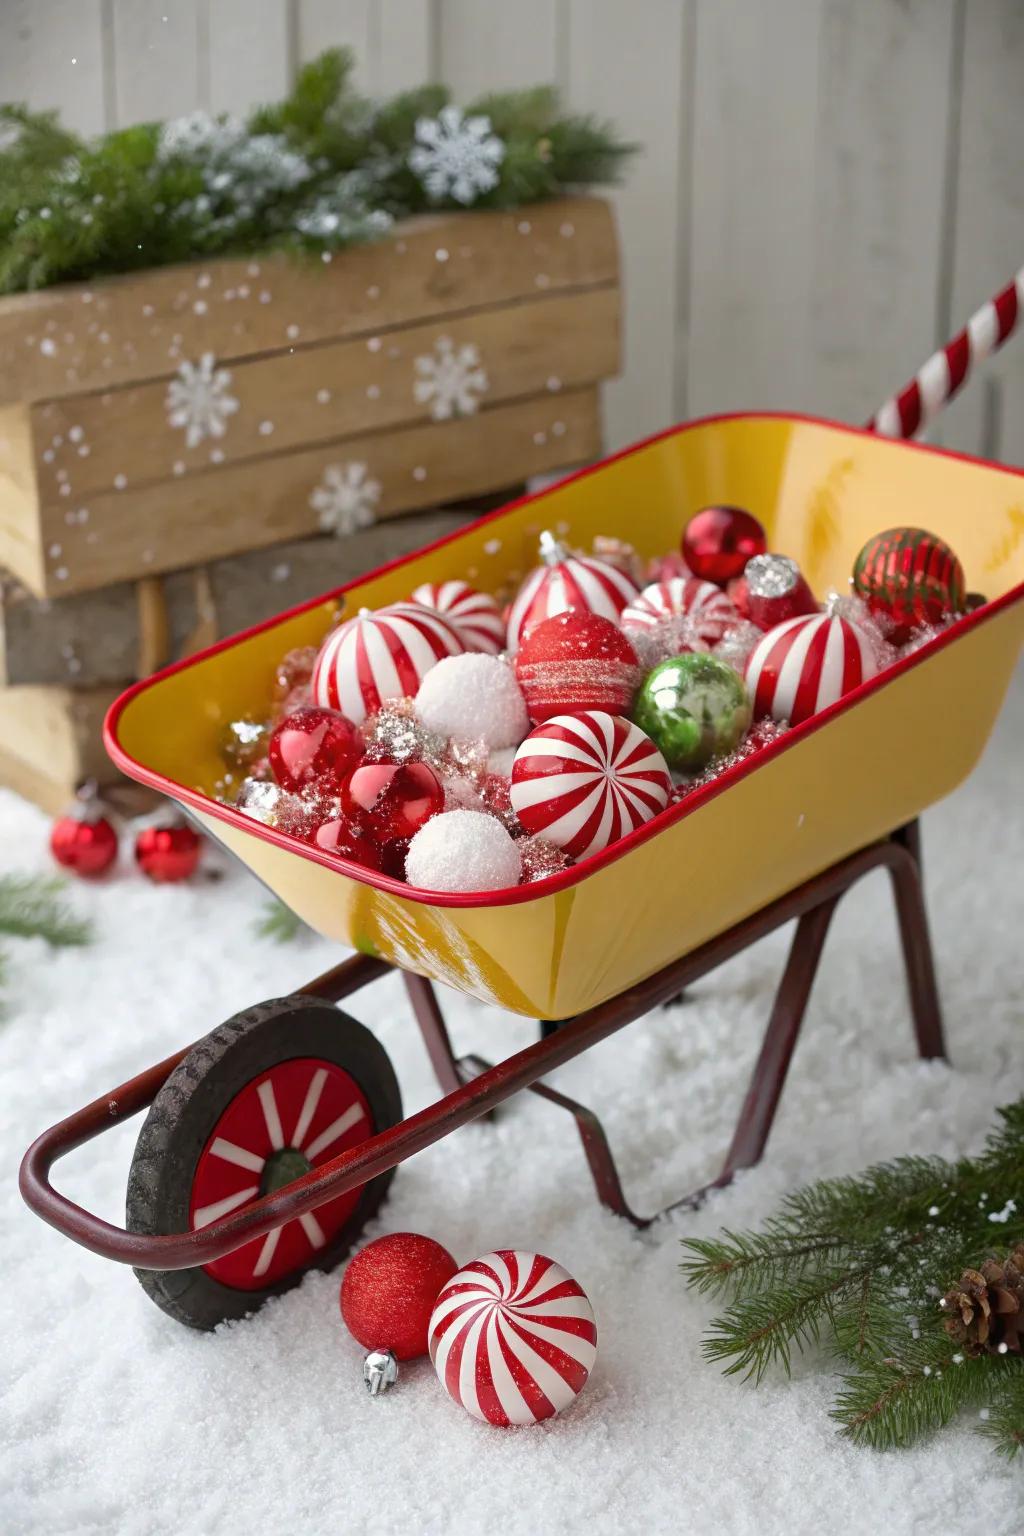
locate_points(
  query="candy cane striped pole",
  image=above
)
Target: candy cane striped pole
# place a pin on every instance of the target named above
(946, 371)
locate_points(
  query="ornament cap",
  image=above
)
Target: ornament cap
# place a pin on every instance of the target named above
(380, 1371)
(551, 551)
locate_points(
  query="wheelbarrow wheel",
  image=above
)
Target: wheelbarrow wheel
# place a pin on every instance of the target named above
(277, 1090)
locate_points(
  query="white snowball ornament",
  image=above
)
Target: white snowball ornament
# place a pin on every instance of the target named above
(474, 698)
(513, 1338)
(463, 851)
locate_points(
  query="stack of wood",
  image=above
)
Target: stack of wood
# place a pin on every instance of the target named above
(187, 451)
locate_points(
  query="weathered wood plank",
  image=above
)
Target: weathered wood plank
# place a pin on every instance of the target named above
(249, 57)
(69, 340)
(51, 55)
(157, 59)
(641, 49)
(127, 535)
(94, 638)
(338, 23)
(93, 442)
(57, 731)
(989, 233)
(403, 45)
(496, 47)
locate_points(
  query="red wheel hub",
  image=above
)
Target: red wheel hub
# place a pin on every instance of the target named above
(288, 1120)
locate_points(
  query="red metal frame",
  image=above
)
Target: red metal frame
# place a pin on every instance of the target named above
(472, 1087)
(623, 845)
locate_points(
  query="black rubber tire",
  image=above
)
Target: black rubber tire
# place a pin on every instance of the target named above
(190, 1103)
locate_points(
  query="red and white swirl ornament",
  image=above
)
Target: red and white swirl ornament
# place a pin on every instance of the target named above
(381, 655)
(683, 597)
(805, 664)
(565, 581)
(583, 781)
(476, 616)
(513, 1338)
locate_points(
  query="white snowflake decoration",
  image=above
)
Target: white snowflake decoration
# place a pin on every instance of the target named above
(198, 400)
(345, 499)
(456, 156)
(450, 379)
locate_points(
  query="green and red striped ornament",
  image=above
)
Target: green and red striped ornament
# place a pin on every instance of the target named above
(909, 578)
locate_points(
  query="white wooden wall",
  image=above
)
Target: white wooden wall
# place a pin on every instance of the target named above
(827, 187)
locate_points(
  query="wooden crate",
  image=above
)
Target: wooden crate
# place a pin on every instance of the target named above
(328, 376)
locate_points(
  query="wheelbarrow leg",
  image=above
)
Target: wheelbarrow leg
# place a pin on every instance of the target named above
(434, 1031)
(769, 1076)
(908, 891)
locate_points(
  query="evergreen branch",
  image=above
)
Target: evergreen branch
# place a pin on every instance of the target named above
(30, 907)
(744, 1261)
(1004, 1424)
(891, 1402)
(279, 923)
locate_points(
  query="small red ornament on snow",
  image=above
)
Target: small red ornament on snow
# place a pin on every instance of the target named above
(564, 581)
(474, 614)
(806, 664)
(706, 607)
(167, 854)
(776, 591)
(909, 578)
(718, 542)
(314, 749)
(83, 839)
(389, 1290)
(513, 1338)
(583, 781)
(576, 661)
(379, 656)
(392, 800)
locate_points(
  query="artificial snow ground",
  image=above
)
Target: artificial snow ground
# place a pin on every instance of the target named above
(116, 1419)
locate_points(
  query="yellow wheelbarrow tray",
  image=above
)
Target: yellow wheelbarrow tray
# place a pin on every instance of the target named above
(849, 776)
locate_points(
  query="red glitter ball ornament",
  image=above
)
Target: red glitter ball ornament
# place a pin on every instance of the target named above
(576, 661)
(389, 1290)
(168, 854)
(718, 542)
(314, 749)
(84, 842)
(345, 841)
(392, 800)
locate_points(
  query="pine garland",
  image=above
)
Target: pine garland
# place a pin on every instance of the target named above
(316, 172)
(30, 907)
(861, 1265)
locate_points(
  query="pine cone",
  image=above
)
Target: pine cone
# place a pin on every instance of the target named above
(985, 1311)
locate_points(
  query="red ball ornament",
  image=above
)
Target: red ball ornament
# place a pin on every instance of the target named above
(566, 581)
(718, 542)
(776, 591)
(84, 842)
(389, 1290)
(314, 749)
(909, 578)
(168, 854)
(392, 800)
(576, 661)
(340, 838)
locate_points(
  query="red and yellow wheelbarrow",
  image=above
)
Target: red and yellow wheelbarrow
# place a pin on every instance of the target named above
(271, 1142)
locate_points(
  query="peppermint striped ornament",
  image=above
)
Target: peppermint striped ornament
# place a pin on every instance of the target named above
(582, 781)
(513, 1338)
(566, 581)
(805, 664)
(474, 614)
(378, 655)
(683, 597)
(911, 409)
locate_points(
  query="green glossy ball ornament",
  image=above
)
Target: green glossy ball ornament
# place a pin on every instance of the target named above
(694, 708)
